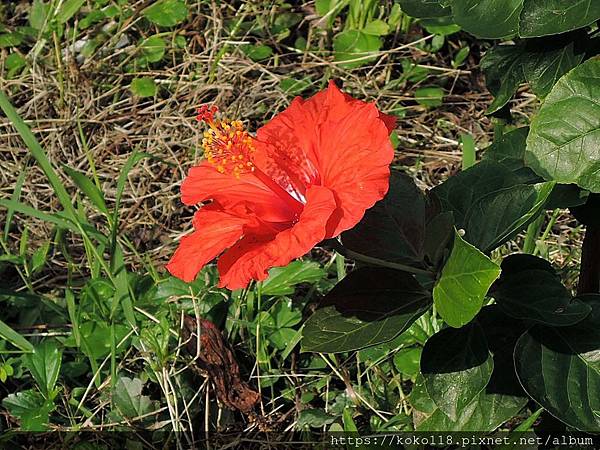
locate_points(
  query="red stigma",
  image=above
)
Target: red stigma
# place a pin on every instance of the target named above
(206, 113)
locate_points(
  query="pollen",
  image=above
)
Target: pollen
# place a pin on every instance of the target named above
(227, 145)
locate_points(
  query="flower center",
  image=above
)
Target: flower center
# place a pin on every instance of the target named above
(227, 145)
(230, 148)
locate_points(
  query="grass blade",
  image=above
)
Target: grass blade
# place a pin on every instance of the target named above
(14, 197)
(15, 338)
(88, 187)
(38, 153)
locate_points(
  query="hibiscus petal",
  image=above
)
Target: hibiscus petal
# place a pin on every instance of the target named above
(215, 230)
(344, 141)
(204, 182)
(252, 257)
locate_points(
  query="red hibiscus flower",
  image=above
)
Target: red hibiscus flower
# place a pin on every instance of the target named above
(309, 174)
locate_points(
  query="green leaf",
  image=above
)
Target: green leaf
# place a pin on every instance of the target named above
(407, 361)
(143, 87)
(88, 187)
(257, 52)
(424, 8)
(443, 26)
(95, 339)
(489, 19)
(44, 365)
(566, 196)
(376, 27)
(293, 86)
(486, 413)
(489, 193)
(457, 366)
(503, 69)
(354, 45)
(545, 17)
(395, 16)
(128, 398)
(368, 307)
(14, 338)
(530, 289)
(33, 212)
(394, 229)
(560, 369)
(10, 39)
(166, 13)
(282, 280)
(510, 210)
(465, 279)
(509, 150)
(546, 61)
(563, 142)
(39, 257)
(38, 14)
(15, 61)
(31, 408)
(429, 96)
(313, 418)
(68, 9)
(152, 49)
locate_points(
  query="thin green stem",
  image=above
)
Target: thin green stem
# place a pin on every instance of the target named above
(533, 232)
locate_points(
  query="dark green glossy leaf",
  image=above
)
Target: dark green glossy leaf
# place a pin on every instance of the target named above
(456, 366)
(439, 233)
(424, 8)
(503, 70)
(501, 333)
(560, 369)
(545, 62)
(463, 283)
(490, 204)
(564, 141)
(459, 192)
(545, 17)
(501, 215)
(491, 19)
(368, 307)
(589, 212)
(509, 150)
(394, 229)
(530, 289)
(567, 196)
